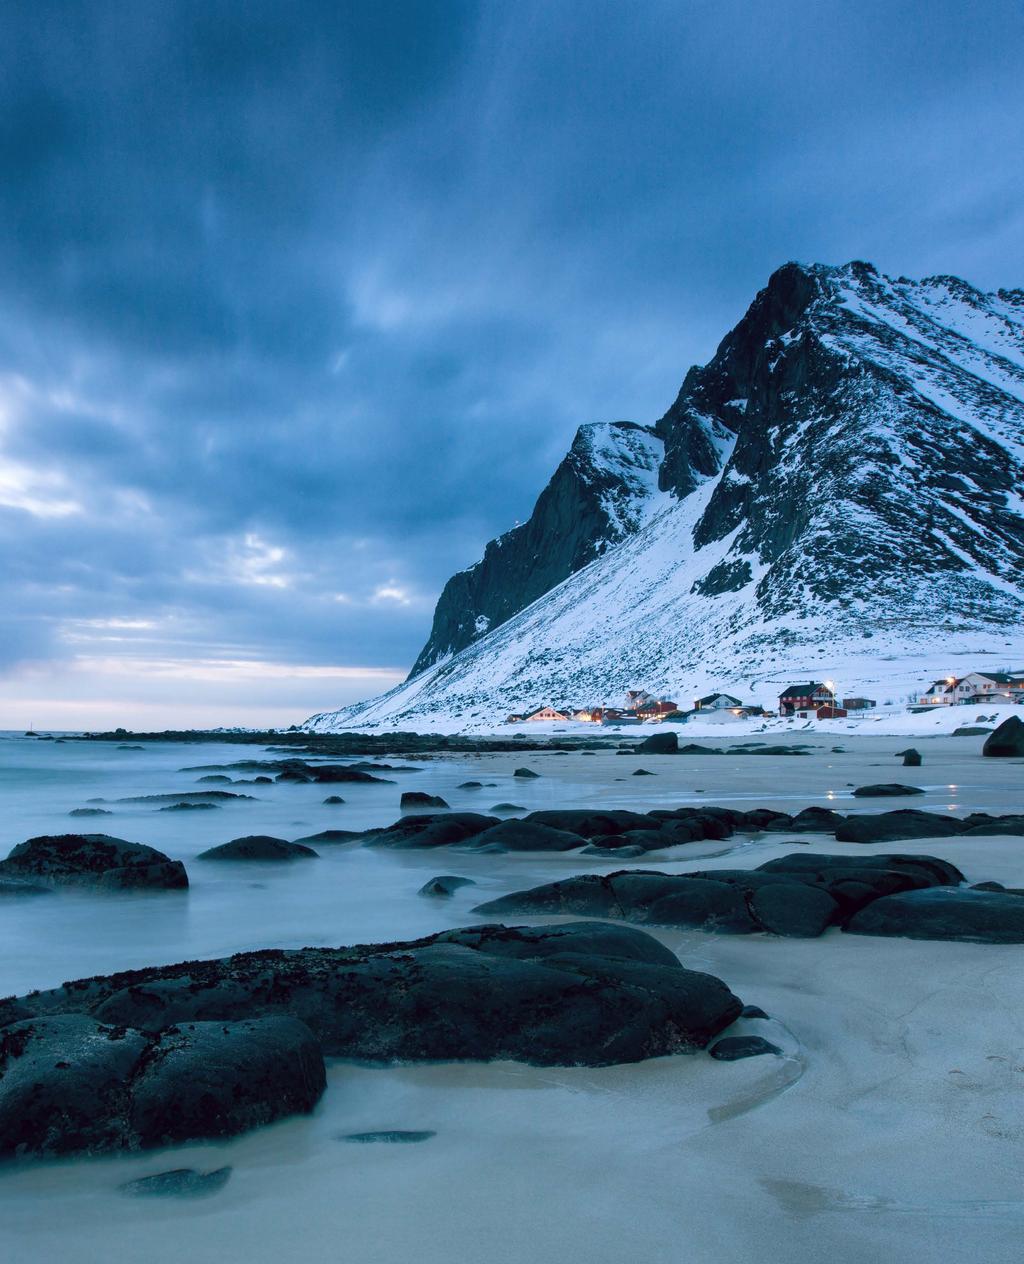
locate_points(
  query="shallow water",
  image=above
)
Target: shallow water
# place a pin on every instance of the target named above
(892, 1122)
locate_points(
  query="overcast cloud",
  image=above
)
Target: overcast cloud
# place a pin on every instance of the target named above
(302, 302)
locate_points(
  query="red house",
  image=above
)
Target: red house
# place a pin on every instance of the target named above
(655, 709)
(807, 697)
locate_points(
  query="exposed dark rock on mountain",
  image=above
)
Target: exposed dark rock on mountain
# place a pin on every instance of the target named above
(1007, 740)
(95, 860)
(596, 498)
(851, 460)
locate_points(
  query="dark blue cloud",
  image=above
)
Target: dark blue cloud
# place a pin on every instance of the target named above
(303, 302)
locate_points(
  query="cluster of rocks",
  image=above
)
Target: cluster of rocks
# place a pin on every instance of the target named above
(799, 895)
(207, 1049)
(633, 833)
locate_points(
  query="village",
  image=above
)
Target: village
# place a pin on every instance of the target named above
(819, 699)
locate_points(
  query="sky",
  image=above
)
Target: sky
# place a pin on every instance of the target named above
(302, 303)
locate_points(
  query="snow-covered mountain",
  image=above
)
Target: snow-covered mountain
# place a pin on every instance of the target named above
(838, 492)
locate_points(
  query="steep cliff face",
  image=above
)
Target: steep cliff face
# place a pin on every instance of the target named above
(601, 493)
(843, 483)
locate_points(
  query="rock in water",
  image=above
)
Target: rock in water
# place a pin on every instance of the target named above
(525, 773)
(911, 758)
(417, 799)
(445, 884)
(528, 836)
(890, 790)
(96, 860)
(207, 1048)
(390, 1137)
(179, 1182)
(1007, 740)
(660, 744)
(258, 847)
(732, 1048)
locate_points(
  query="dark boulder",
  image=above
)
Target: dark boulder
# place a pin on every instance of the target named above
(390, 1136)
(418, 799)
(577, 994)
(810, 821)
(334, 800)
(891, 827)
(445, 884)
(215, 777)
(1012, 826)
(529, 836)
(328, 837)
(189, 807)
(659, 744)
(71, 1084)
(431, 830)
(525, 772)
(890, 790)
(95, 860)
(927, 871)
(911, 758)
(90, 812)
(732, 1048)
(643, 772)
(987, 917)
(508, 807)
(589, 823)
(731, 901)
(258, 847)
(1007, 740)
(179, 1182)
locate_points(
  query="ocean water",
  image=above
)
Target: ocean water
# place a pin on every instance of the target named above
(892, 1121)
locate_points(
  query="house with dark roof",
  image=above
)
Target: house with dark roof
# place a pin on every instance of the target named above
(810, 697)
(716, 702)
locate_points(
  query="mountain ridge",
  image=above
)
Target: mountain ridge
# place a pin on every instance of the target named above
(848, 467)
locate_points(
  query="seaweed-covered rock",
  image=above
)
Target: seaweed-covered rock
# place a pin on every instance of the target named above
(1007, 740)
(590, 824)
(70, 1083)
(258, 847)
(577, 994)
(96, 860)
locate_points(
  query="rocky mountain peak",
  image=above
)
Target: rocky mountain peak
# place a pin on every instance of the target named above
(844, 477)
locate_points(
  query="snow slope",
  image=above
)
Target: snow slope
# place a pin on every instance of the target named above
(841, 497)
